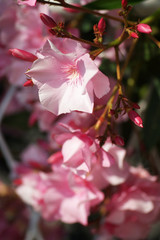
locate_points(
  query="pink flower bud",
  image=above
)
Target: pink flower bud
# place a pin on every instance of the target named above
(134, 116)
(23, 55)
(124, 3)
(28, 83)
(47, 20)
(101, 25)
(134, 35)
(52, 31)
(135, 105)
(144, 28)
(119, 140)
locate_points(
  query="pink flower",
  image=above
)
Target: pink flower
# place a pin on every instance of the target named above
(67, 78)
(34, 153)
(80, 153)
(27, 2)
(60, 195)
(19, 30)
(134, 207)
(144, 28)
(114, 174)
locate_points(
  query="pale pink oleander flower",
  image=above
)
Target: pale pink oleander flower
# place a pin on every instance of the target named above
(67, 78)
(19, 30)
(34, 153)
(34, 156)
(76, 120)
(134, 207)
(60, 195)
(27, 2)
(116, 173)
(81, 153)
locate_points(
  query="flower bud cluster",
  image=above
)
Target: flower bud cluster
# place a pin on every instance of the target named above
(99, 30)
(141, 27)
(123, 106)
(54, 28)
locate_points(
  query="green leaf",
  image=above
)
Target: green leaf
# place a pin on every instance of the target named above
(108, 4)
(151, 130)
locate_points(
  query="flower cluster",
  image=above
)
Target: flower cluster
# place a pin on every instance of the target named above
(74, 96)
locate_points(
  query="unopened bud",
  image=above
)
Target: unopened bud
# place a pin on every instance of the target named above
(134, 35)
(135, 105)
(52, 31)
(119, 140)
(23, 55)
(28, 83)
(47, 20)
(134, 116)
(101, 25)
(144, 28)
(124, 3)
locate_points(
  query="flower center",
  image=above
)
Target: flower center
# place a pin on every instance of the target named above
(72, 74)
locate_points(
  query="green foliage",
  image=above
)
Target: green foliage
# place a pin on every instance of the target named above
(107, 4)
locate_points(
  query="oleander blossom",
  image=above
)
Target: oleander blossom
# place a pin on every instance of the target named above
(134, 207)
(80, 153)
(67, 78)
(59, 195)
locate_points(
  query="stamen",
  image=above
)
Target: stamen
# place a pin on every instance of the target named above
(72, 74)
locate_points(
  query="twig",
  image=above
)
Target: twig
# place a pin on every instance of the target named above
(33, 232)
(6, 101)
(3, 145)
(11, 163)
(82, 9)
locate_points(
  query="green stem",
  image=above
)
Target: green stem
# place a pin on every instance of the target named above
(117, 41)
(106, 110)
(114, 43)
(82, 40)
